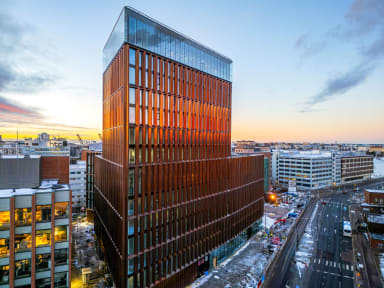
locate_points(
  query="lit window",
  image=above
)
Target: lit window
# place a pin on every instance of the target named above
(4, 247)
(4, 220)
(43, 237)
(23, 242)
(61, 233)
(43, 213)
(61, 210)
(23, 216)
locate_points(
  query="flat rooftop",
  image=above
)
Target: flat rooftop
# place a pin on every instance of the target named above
(7, 193)
(374, 191)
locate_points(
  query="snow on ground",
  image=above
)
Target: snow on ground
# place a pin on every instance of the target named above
(381, 259)
(268, 221)
(305, 249)
(378, 167)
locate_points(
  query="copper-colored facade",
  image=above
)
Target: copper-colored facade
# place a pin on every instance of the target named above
(167, 191)
(55, 167)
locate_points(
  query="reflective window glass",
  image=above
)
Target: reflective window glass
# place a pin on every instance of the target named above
(23, 242)
(43, 262)
(43, 237)
(132, 76)
(4, 247)
(23, 268)
(61, 256)
(61, 233)
(61, 210)
(132, 118)
(132, 57)
(43, 213)
(23, 216)
(132, 96)
(4, 274)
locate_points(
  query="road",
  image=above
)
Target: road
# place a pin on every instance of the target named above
(282, 263)
(331, 262)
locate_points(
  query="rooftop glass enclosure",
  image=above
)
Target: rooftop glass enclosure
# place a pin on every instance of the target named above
(140, 30)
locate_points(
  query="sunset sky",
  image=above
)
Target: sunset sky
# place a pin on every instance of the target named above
(302, 70)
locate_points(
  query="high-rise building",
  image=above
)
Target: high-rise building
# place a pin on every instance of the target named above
(170, 201)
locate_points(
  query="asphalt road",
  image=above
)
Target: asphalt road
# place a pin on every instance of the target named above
(331, 263)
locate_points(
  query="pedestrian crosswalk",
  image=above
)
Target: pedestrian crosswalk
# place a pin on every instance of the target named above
(332, 264)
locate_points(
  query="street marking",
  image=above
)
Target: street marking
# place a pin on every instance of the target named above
(334, 274)
(326, 263)
(339, 266)
(351, 268)
(347, 267)
(334, 264)
(319, 261)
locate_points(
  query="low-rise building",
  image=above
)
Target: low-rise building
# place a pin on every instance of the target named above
(35, 237)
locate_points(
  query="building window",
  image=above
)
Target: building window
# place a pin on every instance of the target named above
(4, 274)
(23, 216)
(131, 182)
(4, 247)
(43, 283)
(23, 268)
(23, 242)
(43, 262)
(61, 210)
(43, 213)
(131, 156)
(61, 233)
(132, 76)
(43, 238)
(61, 256)
(60, 280)
(4, 220)
(132, 96)
(132, 118)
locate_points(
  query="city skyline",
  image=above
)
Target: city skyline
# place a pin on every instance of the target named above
(304, 77)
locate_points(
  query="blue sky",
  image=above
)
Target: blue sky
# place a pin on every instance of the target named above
(302, 70)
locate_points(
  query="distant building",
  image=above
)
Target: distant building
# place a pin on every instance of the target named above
(89, 157)
(55, 167)
(77, 180)
(310, 170)
(19, 171)
(319, 169)
(355, 167)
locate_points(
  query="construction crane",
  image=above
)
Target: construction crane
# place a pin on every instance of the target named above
(101, 137)
(81, 140)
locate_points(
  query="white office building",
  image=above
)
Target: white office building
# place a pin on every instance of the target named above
(310, 170)
(77, 180)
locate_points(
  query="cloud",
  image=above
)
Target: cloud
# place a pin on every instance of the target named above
(340, 85)
(307, 46)
(17, 58)
(10, 107)
(13, 114)
(364, 19)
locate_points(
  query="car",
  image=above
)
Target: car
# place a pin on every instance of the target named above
(300, 205)
(344, 192)
(324, 202)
